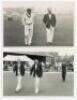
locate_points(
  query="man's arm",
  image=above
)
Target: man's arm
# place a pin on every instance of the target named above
(54, 20)
(23, 19)
(44, 19)
(31, 70)
(14, 68)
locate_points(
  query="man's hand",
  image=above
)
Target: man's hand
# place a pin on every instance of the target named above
(52, 28)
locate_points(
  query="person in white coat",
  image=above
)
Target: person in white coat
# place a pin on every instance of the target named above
(28, 27)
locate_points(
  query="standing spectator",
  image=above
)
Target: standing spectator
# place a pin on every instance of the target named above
(19, 71)
(50, 22)
(37, 72)
(28, 26)
(63, 71)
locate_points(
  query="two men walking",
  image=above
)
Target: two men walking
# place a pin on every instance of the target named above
(36, 71)
(49, 21)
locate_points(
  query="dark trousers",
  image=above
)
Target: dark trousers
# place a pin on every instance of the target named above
(63, 76)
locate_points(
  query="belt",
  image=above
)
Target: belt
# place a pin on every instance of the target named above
(28, 24)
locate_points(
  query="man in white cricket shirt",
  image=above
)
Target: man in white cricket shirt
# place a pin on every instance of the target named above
(28, 27)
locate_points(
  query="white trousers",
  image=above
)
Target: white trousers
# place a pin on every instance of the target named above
(37, 84)
(28, 34)
(19, 85)
(50, 34)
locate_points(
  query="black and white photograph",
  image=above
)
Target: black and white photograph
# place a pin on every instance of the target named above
(38, 73)
(38, 49)
(38, 23)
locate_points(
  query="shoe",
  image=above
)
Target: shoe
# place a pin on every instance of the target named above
(29, 44)
(26, 44)
(18, 90)
(36, 91)
(49, 43)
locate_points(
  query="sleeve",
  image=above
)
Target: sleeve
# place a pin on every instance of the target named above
(54, 20)
(32, 18)
(31, 70)
(41, 69)
(23, 19)
(14, 68)
(44, 19)
(24, 68)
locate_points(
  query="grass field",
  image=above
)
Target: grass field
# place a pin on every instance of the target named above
(51, 85)
(14, 31)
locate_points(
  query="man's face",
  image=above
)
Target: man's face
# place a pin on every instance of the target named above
(49, 11)
(29, 12)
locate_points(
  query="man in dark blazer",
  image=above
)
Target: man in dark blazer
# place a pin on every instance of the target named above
(37, 72)
(19, 70)
(50, 23)
(63, 71)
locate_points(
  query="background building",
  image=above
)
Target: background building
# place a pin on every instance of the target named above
(51, 61)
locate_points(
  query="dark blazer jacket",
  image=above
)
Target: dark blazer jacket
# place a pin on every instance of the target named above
(63, 68)
(49, 22)
(38, 71)
(22, 69)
